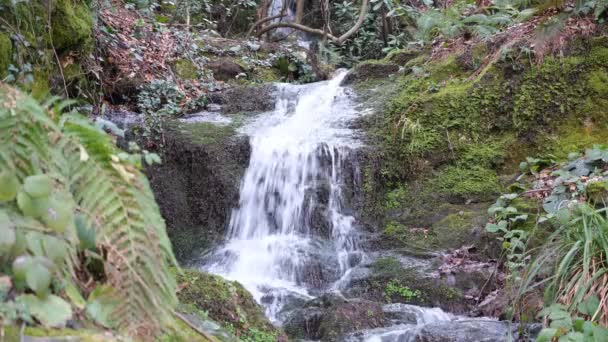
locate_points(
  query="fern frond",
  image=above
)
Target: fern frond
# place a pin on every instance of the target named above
(116, 199)
(112, 195)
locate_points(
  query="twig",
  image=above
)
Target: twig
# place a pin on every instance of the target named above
(50, 29)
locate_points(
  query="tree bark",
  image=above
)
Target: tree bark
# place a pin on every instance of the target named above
(300, 11)
(336, 40)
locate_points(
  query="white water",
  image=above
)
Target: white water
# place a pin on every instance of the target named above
(275, 246)
(276, 8)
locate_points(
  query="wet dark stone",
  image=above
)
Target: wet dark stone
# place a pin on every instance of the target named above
(331, 316)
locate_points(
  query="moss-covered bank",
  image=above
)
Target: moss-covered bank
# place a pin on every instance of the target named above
(453, 133)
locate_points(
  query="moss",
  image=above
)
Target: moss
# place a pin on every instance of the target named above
(454, 230)
(266, 75)
(573, 136)
(72, 25)
(418, 289)
(40, 88)
(205, 133)
(186, 70)
(226, 302)
(12, 333)
(466, 183)
(598, 82)
(6, 53)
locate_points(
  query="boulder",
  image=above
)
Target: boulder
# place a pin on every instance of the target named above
(200, 161)
(241, 99)
(225, 69)
(331, 316)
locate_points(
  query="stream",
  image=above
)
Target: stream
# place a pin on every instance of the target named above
(293, 236)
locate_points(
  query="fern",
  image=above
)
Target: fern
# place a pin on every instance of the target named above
(112, 195)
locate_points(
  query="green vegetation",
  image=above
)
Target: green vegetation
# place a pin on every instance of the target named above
(76, 213)
(393, 288)
(559, 247)
(228, 303)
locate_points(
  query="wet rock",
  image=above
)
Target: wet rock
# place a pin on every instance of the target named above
(411, 284)
(328, 317)
(225, 69)
(201, 161)
(466, 331)
(241, 99)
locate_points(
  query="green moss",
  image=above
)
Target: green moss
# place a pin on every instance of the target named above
(266, 75)
(408, 285)
(461, 182)
(226, 302)
(574, 136)
(205, 133)
(12, 333)
(416, 240)
(72, 25)
(186, 70)
(40, 88)
(598, 82)
(454, 230)
(6, 53)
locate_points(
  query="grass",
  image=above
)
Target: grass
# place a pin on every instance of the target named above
(573, 263)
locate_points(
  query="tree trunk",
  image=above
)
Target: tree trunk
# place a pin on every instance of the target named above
(300, 11)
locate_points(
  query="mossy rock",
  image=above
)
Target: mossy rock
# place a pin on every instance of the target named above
(72, 25)
(6, 53)
(226, 302)
(413, 287)
(370, 70)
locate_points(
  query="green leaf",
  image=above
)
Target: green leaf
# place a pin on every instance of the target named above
(101, 305)
(589, 306)
(546, 335)
(86, 235)
(600, 333)
(20, 267)
(74, 295)
(51, 311)
(38, 277)
(491, 228)
(578, 324)
(572, 337)
(55, 249)
(7, 234)
(38, 186)
(9, 186)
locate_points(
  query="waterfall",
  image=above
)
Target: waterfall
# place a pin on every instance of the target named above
(291, 235)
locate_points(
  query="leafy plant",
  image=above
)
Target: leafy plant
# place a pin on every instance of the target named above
(571, 263)
(573, 328)
(394, 288)
(77, 214)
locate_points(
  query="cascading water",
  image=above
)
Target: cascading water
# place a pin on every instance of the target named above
(291, 238)
(290, 235)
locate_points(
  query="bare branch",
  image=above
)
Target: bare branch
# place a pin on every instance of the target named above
(262, 21)
(336, 40)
